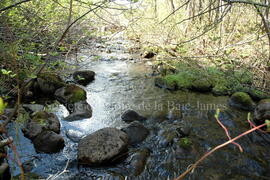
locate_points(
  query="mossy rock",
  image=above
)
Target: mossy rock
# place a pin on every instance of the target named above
(202, 85)
(48, 82)
(70, 94)
(242, 100)
(163, 83)
(41, 118)
(258, 95)
(185, 143)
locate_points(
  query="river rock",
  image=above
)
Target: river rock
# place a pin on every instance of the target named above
(138, 161)
(262, 111)
(130, 116)
(79, 110)
(48, 142)
(49, 82)
(84, 77)
(43, 129)
(33, 107)
(40, 121)
(74, 135)
(70, 94)
(136, 132)
(242, 100)
(102, 147)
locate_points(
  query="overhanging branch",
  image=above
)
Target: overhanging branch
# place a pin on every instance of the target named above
(246, 2)
(13, 5)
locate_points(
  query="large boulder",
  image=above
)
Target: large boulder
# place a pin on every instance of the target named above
(70, 94)
(79, 110)
(84, 77)
(136, 132)
(102, 147)
(43, 129)
(49, 82)
(130, 116)
(262, 111)
(242, 100)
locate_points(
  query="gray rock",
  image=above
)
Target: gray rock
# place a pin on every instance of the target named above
(39, 122)
(48, 142)
(80, 110)
(136, 132)
(33, 107)
(262, 111)
(75, 136)
(43, 129)
(84, 77)
(48, 82)
(130, 116)
(102, 147)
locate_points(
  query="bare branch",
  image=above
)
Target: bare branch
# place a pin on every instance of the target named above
(246, 2)
(13, 5)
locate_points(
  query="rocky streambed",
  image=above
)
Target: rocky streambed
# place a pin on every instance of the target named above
(165, 133)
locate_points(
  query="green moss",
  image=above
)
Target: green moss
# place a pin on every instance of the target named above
(41, 117)
(242, 98)
(265, 101)
(185, 143)
(224, 82)
(257, 94)
(76, 93)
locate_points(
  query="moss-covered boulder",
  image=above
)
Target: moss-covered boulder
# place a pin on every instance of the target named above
(84, 77)
(202, 85)
(70, 94)
(242, 100)
(39, 122)
(44, 130)
(48, 83)
(166, 84)
(262, 111)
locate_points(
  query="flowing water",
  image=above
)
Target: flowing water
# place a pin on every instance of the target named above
(124, 82)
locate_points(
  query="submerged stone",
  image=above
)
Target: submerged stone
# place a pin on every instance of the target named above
(130, 116)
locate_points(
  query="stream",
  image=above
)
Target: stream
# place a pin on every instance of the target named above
(124, 81)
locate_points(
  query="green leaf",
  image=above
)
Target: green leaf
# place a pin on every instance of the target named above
(2, 106)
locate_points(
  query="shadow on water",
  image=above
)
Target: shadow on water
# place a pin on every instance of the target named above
(123, 84)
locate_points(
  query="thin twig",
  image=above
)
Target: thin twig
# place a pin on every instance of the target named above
(215, 149)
